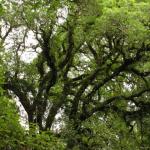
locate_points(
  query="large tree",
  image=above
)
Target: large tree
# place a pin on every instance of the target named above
(85, 61)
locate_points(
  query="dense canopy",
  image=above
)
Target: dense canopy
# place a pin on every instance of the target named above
(80, 70)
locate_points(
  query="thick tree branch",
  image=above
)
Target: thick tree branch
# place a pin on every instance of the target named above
(107, 103)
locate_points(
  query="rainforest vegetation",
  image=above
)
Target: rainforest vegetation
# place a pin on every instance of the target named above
(74, 75)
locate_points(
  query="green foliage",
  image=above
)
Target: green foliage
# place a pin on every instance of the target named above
(109, 132)
(9, 120)
(43, 141)
(88, 85)
(10, 130)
